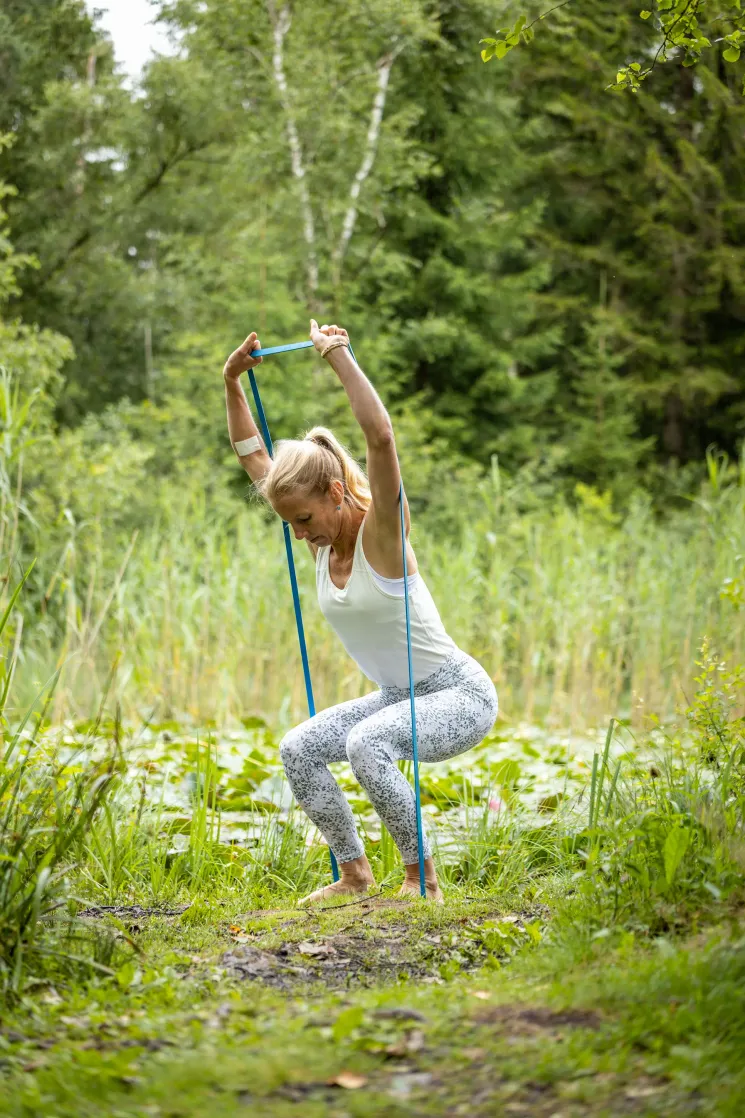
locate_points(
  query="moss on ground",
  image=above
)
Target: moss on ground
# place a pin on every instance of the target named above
(385, 1008)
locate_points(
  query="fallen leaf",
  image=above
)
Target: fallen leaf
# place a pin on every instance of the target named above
(234, 929)
(349, 1080)
(642, 1092)
(483, 994)
(473, 1053)
(308, 948)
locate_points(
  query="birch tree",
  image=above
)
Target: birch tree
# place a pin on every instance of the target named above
(314, 82)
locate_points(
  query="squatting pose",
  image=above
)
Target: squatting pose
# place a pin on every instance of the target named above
(351, 523)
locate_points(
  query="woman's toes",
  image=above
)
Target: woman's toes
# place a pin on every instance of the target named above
(337, 889)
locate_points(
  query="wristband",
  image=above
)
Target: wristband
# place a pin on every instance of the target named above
(333, 343)
(247, 446)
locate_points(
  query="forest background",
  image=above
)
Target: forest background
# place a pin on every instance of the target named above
(544, 277)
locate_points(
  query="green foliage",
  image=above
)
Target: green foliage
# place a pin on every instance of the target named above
(716, 722)
(678, 27)
(563, 289)
(47, 804)
(665, 844)
(681, 24)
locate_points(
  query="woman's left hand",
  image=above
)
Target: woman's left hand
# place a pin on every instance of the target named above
(320, 334)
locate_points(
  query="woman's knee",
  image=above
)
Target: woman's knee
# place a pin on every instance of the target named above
(366, 749)
(293, 747)
(355, 747)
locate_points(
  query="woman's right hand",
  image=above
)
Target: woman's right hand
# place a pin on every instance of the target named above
(241, 360)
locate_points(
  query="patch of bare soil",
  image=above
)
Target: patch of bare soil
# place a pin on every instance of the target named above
(129, 911)
(368, 955)
(530, 1020)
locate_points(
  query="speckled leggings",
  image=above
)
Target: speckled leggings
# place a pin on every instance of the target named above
(455, 709)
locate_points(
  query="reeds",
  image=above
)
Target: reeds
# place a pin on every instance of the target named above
(575, 616)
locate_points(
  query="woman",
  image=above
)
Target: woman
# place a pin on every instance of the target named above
(352, 525)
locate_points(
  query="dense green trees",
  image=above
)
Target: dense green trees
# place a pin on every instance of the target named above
(534, 266)
(644, 225)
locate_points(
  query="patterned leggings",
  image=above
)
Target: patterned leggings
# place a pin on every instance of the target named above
(455, 709)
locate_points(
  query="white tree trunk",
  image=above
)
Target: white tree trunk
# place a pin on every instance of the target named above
(281, 25)
(373, 132)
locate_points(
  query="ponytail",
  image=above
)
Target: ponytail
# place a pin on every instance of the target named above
(356, 486)
(310, 465)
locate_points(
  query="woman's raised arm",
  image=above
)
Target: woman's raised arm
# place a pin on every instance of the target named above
(369, 411)
(244, 434)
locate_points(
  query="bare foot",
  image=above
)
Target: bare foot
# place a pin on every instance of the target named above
(411, 886)
(434, 892)
(356, 878)
(335, 889)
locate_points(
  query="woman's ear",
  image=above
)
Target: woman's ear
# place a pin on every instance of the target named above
(336, 492)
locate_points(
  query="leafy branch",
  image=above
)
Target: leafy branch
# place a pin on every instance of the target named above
(678, 21)
(509, 37)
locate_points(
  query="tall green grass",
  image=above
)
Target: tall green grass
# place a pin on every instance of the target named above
(576, 614)
(176, 582)
(49, 800)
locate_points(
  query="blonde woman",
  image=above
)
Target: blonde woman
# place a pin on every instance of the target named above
(351, 523)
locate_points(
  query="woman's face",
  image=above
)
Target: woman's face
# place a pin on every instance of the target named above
(313, 517)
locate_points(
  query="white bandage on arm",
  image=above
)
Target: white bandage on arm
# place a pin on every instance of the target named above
(247, 446)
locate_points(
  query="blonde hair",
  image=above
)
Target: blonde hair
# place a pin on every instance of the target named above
(310, 464)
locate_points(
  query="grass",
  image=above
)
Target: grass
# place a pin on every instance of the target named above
(589, 959)
(598, 1029)
(577, 612)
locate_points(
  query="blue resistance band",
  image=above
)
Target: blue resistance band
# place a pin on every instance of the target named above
(293, 577)
(299, 619)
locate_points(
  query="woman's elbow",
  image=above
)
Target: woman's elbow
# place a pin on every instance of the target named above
(382, 437)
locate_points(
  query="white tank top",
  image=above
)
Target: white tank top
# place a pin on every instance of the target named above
(371, 622)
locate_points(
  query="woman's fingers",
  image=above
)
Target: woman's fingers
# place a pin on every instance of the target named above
(326, 330)
(244, 352)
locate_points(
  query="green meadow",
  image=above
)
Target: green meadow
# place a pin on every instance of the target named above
(538, 254)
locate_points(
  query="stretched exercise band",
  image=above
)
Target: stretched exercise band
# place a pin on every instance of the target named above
(299, 617)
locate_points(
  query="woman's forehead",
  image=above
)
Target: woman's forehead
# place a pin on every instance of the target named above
(298, 504)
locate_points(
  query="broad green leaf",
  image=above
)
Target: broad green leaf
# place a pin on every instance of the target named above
(347, 1021)
(675, 847)
(731, 54)
(644, 15)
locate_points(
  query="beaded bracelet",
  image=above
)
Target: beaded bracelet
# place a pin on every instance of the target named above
(333, 343)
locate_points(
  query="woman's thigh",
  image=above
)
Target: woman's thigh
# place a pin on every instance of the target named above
(325, 734)
(448, 722)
